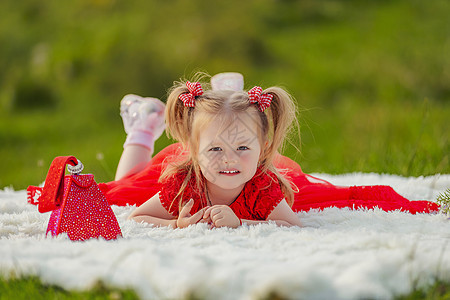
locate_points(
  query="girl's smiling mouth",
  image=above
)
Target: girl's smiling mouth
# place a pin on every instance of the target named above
(229, 172)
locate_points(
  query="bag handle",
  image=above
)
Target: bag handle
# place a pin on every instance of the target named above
(52, 193)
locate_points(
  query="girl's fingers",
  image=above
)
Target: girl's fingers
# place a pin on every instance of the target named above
(216, 211)
(197, 216)
(186, 208)
(206, 219)
(218, 215)
(219, 222)
(207, 212)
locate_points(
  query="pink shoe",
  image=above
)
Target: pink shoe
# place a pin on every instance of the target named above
(228, 81)
(143, 119)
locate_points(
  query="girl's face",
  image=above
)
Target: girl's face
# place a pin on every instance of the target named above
(229, 155)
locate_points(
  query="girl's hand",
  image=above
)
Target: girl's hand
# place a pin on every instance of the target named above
(185, 219)
(221, 215)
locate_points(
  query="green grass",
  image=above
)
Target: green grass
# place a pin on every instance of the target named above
(32, 288)
(409, 139)
(439, 290)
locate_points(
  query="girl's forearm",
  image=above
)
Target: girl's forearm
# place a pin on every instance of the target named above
(156, 221)
(278, 222)
(173, 222)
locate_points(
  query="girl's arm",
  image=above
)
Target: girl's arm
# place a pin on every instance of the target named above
(282, 215)
(223, 215)
(153, 212)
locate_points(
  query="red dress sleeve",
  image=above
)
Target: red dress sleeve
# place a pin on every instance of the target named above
(259, 197)
(169, 190)
(270, 194)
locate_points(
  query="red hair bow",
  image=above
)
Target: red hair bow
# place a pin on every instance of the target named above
(195, 89)
(255, 95)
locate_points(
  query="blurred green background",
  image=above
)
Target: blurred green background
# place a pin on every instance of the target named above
(371, 78)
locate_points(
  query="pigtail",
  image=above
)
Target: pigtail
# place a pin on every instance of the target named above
(281, 116)
(177, 116)
(282, 119)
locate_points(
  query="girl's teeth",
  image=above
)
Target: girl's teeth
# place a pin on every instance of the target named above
(229, 172)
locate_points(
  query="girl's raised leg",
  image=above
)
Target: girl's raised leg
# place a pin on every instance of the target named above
(143, 120)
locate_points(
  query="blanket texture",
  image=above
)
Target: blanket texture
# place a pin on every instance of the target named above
(338, 254)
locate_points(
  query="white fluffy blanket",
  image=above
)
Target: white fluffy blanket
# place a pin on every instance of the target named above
(338, 254)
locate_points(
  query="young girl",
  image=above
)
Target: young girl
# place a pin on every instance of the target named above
(226, 169)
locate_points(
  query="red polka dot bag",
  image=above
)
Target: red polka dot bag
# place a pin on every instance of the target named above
(78, 207)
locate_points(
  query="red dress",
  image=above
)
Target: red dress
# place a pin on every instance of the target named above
(313, 193)
(260, 196)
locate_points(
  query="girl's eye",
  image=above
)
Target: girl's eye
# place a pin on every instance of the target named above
(242, 148)
(215, 149)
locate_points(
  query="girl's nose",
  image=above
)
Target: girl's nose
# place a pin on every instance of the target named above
(229, 158)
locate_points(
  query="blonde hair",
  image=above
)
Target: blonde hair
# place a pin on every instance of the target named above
(185, 124)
